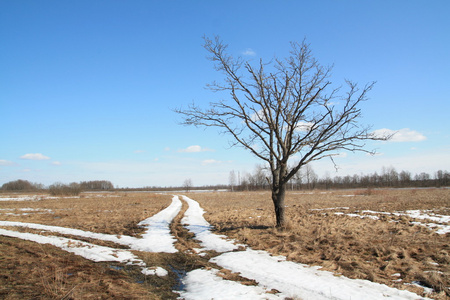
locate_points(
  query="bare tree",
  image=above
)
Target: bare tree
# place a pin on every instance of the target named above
(187, 184)
(232, 180)
(280, 109)
(311, 177)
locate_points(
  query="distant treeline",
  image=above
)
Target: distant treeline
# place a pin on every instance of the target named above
(306, 178)
(58, 188)
(174, 188)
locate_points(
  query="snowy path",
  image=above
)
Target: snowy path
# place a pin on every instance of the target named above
(297, 280)
(291, 279)
(286, 279)
(87, 250)
(195, 223)
(157, 237)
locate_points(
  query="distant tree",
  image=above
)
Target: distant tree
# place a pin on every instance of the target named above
(311, 177)
(21, 185)
(232, 180)
(259, 178)
(327, 181)
(281, 109)
(187, 184)
(405, 178)
(442, 178)
(96, 185)
(298, 178)
(61, 189)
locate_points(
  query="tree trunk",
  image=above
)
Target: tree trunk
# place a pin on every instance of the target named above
(278, 194)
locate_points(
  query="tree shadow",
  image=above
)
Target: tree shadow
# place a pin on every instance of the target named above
(231, 228)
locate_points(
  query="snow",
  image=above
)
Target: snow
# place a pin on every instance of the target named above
(155, 271)
(205, 285)
(86, 250)
(417, 214)
(25, 211)
(157, 237)
(440, 228)
(196, 223)
(297, 280)
(287, 279)
(291, 279)
(158, 229)
(21, 198)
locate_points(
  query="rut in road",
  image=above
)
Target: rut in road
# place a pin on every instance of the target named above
(191, 255)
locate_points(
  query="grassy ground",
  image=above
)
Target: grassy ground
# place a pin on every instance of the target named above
(377, 250)
(351, 246)
(33, 271)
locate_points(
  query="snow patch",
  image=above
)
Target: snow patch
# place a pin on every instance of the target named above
(272, 272)
(205, 285)
(196, 223)
(157, 238)
(86, 250)
(161, 272)
(298, 280)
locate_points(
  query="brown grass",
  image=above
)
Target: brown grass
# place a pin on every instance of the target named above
(354, 247)
(104, 213)
(61, 275)
(33, 271)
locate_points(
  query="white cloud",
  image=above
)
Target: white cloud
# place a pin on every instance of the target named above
(401, 135)
(304, 126)
(249, 52)
(210, 162)
(6, 162)
(412, 161)
(56, 163)
(34, 156)
(139, 151)
(194, 148)
(342, 154)
(258, 116)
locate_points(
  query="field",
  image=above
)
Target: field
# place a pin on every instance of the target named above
(399, 238)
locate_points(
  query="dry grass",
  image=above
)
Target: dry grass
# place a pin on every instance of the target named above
(354, 247)
(34, 271)
(104, 213)
(357, 248)
(29, 270)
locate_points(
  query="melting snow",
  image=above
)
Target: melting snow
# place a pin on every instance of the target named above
(158, 229)
(441, 228)
(195, 223)
(297, 280)
(289, 278)
(21, 198)
(205, 285)
(155, 271)
(157, 237)
(86, 250)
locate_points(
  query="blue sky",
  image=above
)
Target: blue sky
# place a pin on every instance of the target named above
(87, 88)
